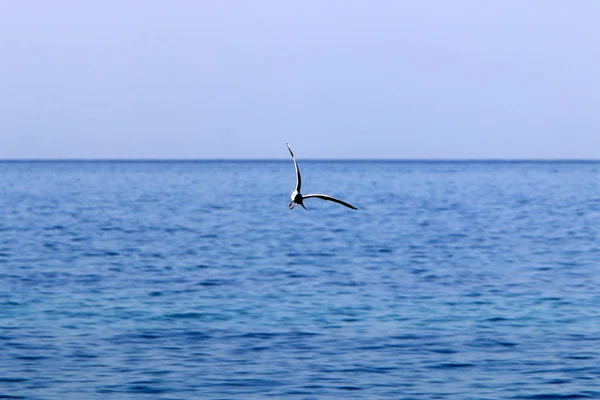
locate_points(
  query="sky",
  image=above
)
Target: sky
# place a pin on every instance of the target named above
(392, 79)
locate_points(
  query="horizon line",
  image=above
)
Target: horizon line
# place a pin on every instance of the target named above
(408, 160)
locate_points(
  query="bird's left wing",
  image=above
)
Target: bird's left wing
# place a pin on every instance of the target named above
(298, 178)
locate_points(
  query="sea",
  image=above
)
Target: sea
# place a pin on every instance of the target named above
(194, 280)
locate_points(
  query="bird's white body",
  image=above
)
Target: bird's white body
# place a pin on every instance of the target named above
(298, 199)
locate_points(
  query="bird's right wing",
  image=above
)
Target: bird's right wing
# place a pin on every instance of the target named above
(298, 178)
(325, 197)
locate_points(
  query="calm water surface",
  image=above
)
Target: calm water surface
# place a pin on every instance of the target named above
(193, 280)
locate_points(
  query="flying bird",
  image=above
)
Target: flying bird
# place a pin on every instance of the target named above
(298, 199)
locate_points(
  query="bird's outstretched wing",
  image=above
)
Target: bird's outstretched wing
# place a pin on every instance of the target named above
(325, 197)
(298, 178)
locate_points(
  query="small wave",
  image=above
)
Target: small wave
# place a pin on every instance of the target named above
(451, 365)
(188, 315)
(555, 396)
(13, 379)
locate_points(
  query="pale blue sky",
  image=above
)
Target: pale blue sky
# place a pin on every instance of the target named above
(337, 79)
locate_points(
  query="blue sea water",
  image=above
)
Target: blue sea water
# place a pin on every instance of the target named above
(189, 280)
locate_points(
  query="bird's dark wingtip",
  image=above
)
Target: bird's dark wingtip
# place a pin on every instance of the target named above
(289, 149)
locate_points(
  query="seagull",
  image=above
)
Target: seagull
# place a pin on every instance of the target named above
(298, 199)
